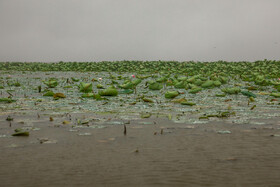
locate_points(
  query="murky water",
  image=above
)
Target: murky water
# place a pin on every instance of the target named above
(179, 155)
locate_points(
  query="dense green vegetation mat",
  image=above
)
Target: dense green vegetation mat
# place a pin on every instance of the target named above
(181, 91)
(268, 68)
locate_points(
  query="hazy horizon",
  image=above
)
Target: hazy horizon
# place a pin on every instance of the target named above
(146, 30)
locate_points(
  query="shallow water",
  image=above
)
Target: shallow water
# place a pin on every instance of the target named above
(183, 155)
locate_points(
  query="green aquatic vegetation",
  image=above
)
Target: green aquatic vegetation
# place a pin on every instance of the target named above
(233, 90)
(180, 85)
(224, 114)
(248, 94)
(99, 86)
(198, 82)
(277, 88)
(193, 79)
(179, 100)
(49, 94)
(252, 88)
(188, 103)
(146, 115)
(114, 82)
(59, 95)
(52, 83)
(217, 83)
(127, 85)
(277, 95)
(148, 100)
(108, 92)
(98, 97)
(208, 84)
(16, 84)
(183, 78)
(9, 118)
(135, 82)
(75, 79)
(126, 91)
(195, 90)
(7, 100)
(220, 95)
(155, 86)
(88, 95)
(85, 87)
(171, 94)
(68, 87)
(167, 74)
(161, 79)
(21, 133)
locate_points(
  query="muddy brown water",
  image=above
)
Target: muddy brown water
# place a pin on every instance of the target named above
(182, 155)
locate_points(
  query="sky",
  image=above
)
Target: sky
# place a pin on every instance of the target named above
(114, 30)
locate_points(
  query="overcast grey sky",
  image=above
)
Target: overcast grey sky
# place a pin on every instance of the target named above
(99, 30)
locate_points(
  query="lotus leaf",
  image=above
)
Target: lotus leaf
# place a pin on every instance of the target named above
(59, 95)
(207, 84)
(155, 86)
(52, 83)
(147, 100)
(108, 92)
(85, 87)
(180, 85)
(248, 94)
(161, 80)
(126, 91)
(171, 94)
(217, 83)
(136, 82)
(233, 90)
(99, 86)
(6, 100)
(146, 115)
(20, 132)
(128, 85)
(49, 94)
(187, 103)
(275, 95)
(88, 95)
(221, 95)
(179, 100)
(74, 79)
(195, 90)
(183, 78)
(198, 82)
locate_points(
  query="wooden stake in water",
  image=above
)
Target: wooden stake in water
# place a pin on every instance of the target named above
(124, 129)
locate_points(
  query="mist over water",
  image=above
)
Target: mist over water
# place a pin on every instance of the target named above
(110, 30)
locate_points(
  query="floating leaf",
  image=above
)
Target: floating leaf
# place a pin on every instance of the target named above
(108, 92)
(195, 90)
(277, 95)
(171, 94)
(59, 95)
(187, 103)
(234, 90)
(7, 100)
(49, 94)
(147, 100)
(146, 115)
(248, 94)
(155, 86)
